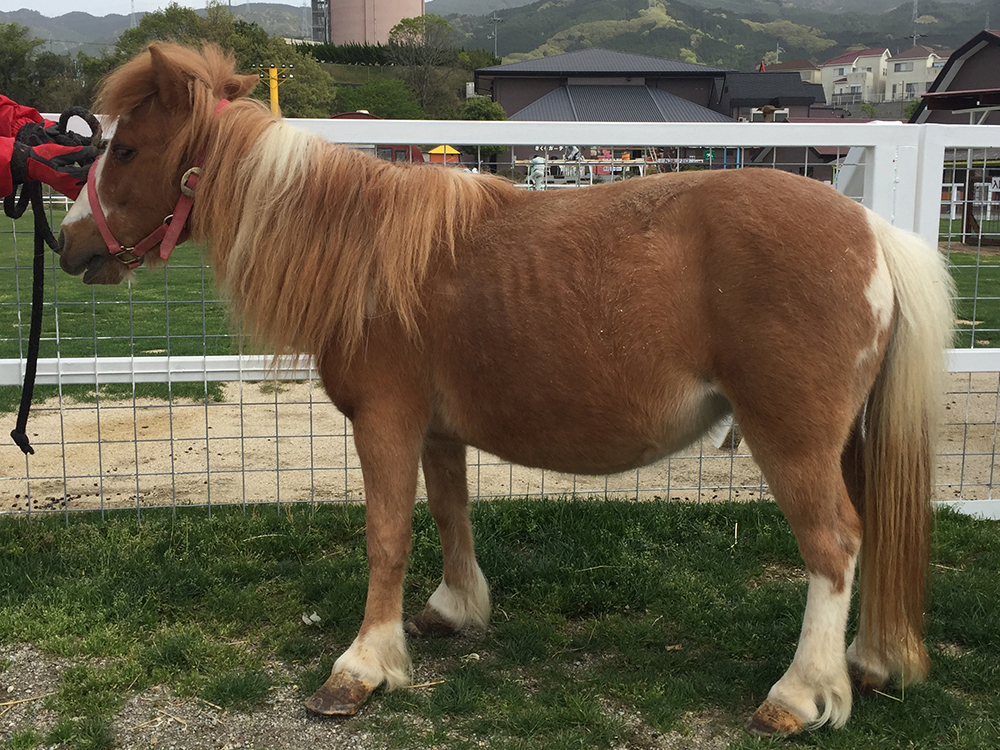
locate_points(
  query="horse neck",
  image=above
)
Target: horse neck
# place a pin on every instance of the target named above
(310, 239)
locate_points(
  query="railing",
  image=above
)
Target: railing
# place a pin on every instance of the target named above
(214, 449)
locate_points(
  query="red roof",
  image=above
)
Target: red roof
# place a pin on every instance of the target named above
(849, 57)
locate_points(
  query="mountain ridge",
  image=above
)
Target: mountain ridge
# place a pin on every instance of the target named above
(703, 31)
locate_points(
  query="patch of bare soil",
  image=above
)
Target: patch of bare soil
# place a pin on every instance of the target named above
(158, 719)
(289, 444)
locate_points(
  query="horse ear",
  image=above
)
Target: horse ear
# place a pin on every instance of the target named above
(172, 84)
(239, 86)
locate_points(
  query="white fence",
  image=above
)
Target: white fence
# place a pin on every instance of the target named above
(253, 440)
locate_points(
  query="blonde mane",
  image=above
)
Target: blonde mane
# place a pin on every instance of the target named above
(310, 239)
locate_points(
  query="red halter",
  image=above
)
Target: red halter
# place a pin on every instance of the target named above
(165, 235)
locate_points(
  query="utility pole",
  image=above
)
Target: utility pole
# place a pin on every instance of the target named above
(274, 79)
(496, 21)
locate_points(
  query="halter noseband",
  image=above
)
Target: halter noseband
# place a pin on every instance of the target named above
(165, 235)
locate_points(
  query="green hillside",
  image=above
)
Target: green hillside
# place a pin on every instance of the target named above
(716, 36)
(727, 33)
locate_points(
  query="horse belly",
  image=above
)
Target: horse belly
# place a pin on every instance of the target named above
(570, 348)
(576, 421)
(571, 438)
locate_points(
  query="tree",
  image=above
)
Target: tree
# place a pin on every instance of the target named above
(388, 98)
(173, 24)
(422, 46)
(483, 108)
(473, 59)
(309, 93)
(422, 41)
(17, 51)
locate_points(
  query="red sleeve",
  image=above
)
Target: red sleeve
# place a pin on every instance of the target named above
(14, 115)
(6, 152)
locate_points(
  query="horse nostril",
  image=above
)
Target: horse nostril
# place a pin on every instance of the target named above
(59, 243)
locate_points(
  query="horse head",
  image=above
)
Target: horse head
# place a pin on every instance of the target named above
(163, 105)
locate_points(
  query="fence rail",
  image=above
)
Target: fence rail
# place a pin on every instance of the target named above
(222, 429)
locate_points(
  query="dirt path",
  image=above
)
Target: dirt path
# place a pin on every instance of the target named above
(290, 444)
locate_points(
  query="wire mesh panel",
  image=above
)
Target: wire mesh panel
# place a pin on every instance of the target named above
(133, 411)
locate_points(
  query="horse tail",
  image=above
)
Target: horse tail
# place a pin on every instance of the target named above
(897, 452)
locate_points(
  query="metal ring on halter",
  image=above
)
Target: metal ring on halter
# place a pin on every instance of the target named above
(193, 172)
(126, 256)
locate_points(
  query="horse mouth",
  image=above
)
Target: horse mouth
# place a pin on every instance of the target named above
(98, 270)
(92, 274)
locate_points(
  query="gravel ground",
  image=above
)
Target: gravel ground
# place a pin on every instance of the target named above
(156, 718)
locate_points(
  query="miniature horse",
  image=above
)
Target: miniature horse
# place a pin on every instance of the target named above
(586, 331)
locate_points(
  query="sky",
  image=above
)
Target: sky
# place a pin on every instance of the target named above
(54, 8)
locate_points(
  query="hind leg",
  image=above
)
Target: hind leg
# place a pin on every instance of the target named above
(463, 598)
(815, 690)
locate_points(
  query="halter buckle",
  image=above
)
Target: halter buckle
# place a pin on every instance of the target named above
(194, 172)
(126, 256)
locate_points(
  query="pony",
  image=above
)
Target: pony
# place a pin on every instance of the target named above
(628, 320)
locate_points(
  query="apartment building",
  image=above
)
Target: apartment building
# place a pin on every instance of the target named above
(856, 76)
(912, 72)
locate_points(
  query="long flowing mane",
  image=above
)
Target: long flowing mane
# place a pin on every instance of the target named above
(310, 239)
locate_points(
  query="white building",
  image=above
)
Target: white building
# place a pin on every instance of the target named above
(856, 76)
(912, 72)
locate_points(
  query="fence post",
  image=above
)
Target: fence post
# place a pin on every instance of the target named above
(930, 174)
(891, 171)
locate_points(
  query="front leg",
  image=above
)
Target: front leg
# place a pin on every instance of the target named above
(388, 445)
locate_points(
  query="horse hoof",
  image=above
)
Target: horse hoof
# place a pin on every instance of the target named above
(770, 720)
(341, 695)
(429, 623)
(866, 681)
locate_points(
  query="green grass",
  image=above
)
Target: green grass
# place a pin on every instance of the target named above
(607, 615)
(951, 229)
(977, 279)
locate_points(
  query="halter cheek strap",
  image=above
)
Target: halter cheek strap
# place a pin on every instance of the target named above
(167, 234)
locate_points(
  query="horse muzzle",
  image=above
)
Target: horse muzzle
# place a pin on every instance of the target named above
(82, 251)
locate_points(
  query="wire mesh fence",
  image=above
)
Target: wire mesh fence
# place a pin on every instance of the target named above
(150, 398)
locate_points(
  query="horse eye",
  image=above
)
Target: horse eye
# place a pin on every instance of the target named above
(122, 153)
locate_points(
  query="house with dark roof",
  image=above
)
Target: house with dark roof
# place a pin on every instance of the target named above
(758, 97)
(856, 76)
(808, 70)
(610, 103)
(967, 88)
(599, 84)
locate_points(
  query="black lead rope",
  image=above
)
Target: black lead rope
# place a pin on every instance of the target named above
(31, 193)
